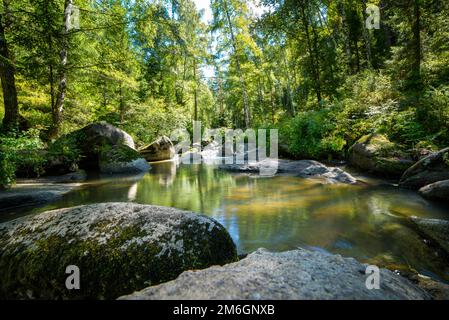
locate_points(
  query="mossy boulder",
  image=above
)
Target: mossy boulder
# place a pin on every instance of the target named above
(436, 191)
(376, 154)
(430, 169)
(101, 146)
(436, 230)
(121, 159)
(160, 149)
(118, 248)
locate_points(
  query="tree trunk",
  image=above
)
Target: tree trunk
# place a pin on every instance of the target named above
(347, 41)
(50, 64)
(121, 103)
(289, 86)
(7, 76)
(416, 60)
(62, 85)
(195, 94)
(239, 70)
(357, 56)
(315, 70)
(366, 36)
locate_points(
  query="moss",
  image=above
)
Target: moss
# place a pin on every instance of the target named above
(381, 156)
(446, 159)
(392, 166)
(116, 154)
(119, 266)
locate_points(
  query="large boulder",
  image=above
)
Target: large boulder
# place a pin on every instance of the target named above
(118, 248)
(297, 274)
(302, 168)
(436, 191)
(376, 154)
(430, 169)
(434, 229)
(160, 149)
(102, 133)
(103, 147)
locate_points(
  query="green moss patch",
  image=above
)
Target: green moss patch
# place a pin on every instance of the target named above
(123, 249)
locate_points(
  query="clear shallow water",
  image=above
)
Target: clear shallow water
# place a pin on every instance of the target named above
(367, 222)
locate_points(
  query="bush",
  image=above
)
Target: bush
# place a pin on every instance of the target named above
(311, 134)
(20, 153)
(63, 155)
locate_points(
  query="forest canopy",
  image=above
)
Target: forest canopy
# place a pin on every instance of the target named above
(311, 68)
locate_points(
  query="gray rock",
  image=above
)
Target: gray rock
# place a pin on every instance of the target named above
(376, 154)
(436, 191)
(102, 133)
(303, 168)
(430, 169)
(160, 149)
(118, 247)
(297, 274)
(436, 229)
(33, 193)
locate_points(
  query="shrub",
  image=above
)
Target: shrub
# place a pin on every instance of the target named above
(20, 153)
(311, 134)
(65, 153)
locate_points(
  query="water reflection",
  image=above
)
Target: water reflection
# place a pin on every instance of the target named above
(284, 212)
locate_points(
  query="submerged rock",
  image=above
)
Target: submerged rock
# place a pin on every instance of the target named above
(118, 247)
(436, 191)
(436, 229)
(160, 149)
(33, 194)
(430, 169)
(297, 274)
(376, 154)
(303, 168)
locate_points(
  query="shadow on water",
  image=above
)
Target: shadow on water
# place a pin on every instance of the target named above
(366, 222)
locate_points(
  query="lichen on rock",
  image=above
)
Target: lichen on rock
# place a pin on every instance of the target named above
(296, 274)
(118, 247)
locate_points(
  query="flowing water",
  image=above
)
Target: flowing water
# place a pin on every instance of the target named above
(367, 222)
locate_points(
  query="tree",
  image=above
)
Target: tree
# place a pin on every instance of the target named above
(7, 75)
(62, 72)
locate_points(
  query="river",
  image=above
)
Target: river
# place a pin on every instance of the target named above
(366, 221)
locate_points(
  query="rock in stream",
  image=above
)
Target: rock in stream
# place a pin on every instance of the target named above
(296, 274)
(118, 248)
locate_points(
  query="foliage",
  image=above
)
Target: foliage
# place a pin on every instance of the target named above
(65, 150)
(309, 67)
(312, 134)
(20, 153)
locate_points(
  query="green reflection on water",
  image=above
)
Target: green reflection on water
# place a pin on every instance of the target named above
(285, 212)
